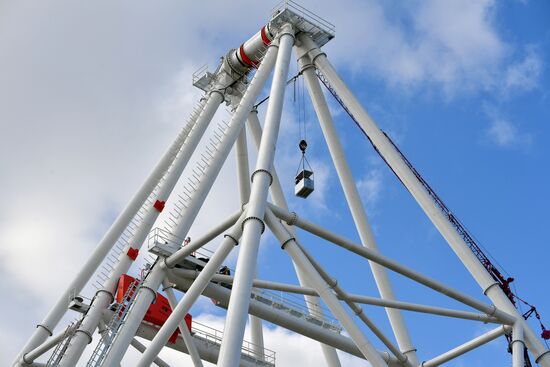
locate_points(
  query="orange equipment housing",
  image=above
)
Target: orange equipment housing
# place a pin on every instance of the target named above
(159, 310)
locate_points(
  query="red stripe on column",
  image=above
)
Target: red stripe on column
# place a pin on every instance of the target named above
(265, 38)
(245, 58)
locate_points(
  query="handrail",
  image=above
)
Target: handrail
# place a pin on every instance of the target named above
(305, 13)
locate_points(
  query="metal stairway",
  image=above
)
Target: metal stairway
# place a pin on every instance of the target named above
(62, 346)
(109, 335)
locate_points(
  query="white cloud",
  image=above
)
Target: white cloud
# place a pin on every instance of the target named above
(505, 134)
(502, 132)
(524, 75)
(451, 45)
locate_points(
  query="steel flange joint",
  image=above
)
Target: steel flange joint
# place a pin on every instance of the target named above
(254, 218)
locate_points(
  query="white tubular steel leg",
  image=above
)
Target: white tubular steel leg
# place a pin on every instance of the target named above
(518, 346)
(466, 347)
(29, 357)
(244, 189)
(144, 298)
(243, 167)
(354, 203)
(276, 191)
(289, 245)
(357, 310)
(230, 352)
(104, 297)
(185, 334)
(417, 190)
(45, 328)
(212, 266)
(146, 295)
(141, 348)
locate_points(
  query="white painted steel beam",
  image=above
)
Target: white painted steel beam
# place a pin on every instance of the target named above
(141, 348)
(184, 330)
(243, 173)
(357, 310)
(466, 347)
(243, 170)
(354, 202)
(29, 357)
(288, 243)
(518, 346)
(253, 226)
(277, 194)
(147, 293)
(390, 154)
(48, 324)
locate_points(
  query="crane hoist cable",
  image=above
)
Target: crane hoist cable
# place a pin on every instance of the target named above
(304, 183)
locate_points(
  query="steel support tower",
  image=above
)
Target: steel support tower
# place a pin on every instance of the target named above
(112, 319)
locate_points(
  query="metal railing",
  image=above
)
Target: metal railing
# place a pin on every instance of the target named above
(304, 13)
(297, 307)
(114, 325)
(199, 73)
(63, 345)
(215, 336)
(165, 236)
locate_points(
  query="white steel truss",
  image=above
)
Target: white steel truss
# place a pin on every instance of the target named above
(238, 81)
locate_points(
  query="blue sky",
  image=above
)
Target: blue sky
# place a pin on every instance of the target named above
(90, 94)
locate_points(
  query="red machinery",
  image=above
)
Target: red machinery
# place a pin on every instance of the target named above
(159, 310)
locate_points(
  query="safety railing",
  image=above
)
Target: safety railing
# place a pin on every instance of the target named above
(173, 242)
(297, 307)
(114, 325)
(215, 336)
(63, 345)
(199, 73)
(304, 13)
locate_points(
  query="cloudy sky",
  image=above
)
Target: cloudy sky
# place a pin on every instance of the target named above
(91, 94)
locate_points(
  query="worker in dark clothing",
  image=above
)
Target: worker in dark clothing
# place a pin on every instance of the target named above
(225, 271)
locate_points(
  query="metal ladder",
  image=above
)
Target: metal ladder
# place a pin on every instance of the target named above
(125, 239)
(62, 346)
(114, 325)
